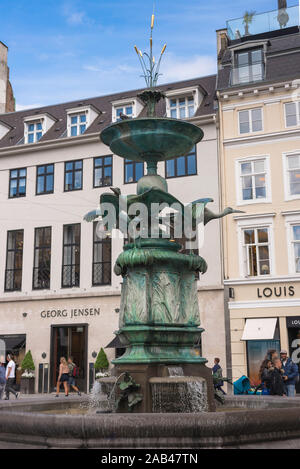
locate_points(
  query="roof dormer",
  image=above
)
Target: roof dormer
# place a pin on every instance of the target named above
(183, 103)
(130, 107)
(36, 126)
(79, 119)
(4, 129)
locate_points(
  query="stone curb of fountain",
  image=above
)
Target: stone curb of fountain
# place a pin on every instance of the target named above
(256, 428)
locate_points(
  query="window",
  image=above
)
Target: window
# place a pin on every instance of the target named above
(126, 110)
(42, 258)
(14, 259)
(293, 175)
(250, 121)
(78, 124)
(45, 179)
(34, 131)
(292, 114)
(103, 171)
(133, 171)
(182, 165)
(248, 66)
(182, 108)
(17, 183)
(73, 175)
(101, 259)
(71, 256)
(253, 180)
(296, 246)
(257, 251)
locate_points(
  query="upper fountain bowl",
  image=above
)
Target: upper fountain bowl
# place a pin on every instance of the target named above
(151, 138)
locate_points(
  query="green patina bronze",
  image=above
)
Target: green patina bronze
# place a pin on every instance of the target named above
(159, 315)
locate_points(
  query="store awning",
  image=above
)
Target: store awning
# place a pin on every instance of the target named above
(259, 329)
(115, 343)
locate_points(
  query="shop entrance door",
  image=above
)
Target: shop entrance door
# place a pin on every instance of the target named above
(69, 341)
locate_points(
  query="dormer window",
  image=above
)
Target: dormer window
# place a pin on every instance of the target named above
(248, 66)
(36, 126)
(79, 119)
(183, 103)
(78, 124)
(127, 107)
(34, 131)
(182, 108)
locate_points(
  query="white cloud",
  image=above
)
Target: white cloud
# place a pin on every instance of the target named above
(178, 68)
(23, 107)
(75, 18)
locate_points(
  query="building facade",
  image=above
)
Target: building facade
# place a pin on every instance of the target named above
(59, 294)
(7, 100)
(259, 132)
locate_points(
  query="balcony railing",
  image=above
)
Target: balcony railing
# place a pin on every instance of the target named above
(263, 23)
(247, 74)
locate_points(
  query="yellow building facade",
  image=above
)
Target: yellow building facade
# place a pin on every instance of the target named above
(259, 134)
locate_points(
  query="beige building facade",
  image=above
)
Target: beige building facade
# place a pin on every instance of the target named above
(259, 130)
(58, 291)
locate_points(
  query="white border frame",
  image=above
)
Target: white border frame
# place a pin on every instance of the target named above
(290, 221)
(256, 132)
(298, 114)
(239, 194)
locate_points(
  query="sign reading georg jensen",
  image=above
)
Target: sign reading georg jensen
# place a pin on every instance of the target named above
(70, 313)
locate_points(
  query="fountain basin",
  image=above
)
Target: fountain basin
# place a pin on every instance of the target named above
(257, 425)
(151, 139)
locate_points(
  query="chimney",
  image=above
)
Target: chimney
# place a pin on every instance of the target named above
(7, 100)
(222, 43)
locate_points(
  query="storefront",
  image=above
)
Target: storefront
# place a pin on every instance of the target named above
(263, 317)
(15, 345)
(61, 327)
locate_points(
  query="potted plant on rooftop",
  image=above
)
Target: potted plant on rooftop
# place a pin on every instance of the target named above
(248, 18)
(101, 365)
(28, 375)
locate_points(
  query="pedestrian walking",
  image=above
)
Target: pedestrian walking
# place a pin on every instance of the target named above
(10, 375)
(291, 373)
(277, 387)
(73, 374)
(63, 377)
(218, 375)
(2, 378)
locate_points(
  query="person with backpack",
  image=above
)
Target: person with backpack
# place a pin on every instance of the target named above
(2, 378)
(73, 374)
(218, 376)
(291, 373)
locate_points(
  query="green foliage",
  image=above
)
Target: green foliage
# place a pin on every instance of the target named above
(102, 362)
(248, 17)
(27, 363)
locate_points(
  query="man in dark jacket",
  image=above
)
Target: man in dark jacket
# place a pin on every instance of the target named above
(276, 383)
(291, 373)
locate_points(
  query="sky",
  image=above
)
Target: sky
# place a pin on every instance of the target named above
(66, 50)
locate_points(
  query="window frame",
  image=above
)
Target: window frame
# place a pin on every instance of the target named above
(297, 104)
(126, 163)
(18, 182)
(239, 176)
(44, 176)
(103, 166)
(73, 171)
(35, 131)
(193, 152)
(250, 64)
(77, 114)
(42, 248)
(286, 179)
(259, 222)
(104, 242)
(6, 262)
(178, 107)
(291, 220)
(70, 265)
(251, 131)
(257, 245)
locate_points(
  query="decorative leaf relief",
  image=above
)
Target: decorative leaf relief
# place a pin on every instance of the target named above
(189, 301)
(135, 308)
(166, 298)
